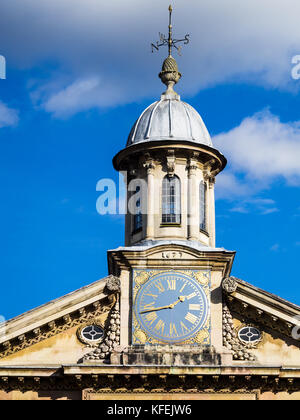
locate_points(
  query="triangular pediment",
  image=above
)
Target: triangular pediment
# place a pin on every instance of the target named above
(259, 326)
(262, 306)
(56, 318)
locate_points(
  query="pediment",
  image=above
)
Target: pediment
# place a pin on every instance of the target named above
(277, 318)
(57, 317)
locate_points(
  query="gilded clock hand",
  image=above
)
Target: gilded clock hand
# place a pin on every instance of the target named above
(156, 309)
(171, 306)
(180, 299)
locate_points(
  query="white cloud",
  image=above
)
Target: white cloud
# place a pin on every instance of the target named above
(83, 94)
(260, 151)
(228, 185)
(261, 205)
(8, 116)
(263, 149)
(233, 40)
(77, 96)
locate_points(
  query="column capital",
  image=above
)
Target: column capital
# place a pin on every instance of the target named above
(192, 163)
(209, 178)
(149, 164)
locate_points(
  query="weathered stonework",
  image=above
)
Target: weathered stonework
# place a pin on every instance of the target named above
(164, 355)
(103, 351)
(229, 284)
(240, 350)
(81, 317)
(113, 284)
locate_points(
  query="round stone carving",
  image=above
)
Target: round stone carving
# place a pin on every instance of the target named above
(229, 285)
(113, 284)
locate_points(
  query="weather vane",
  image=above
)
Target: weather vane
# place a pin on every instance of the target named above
(170, 42)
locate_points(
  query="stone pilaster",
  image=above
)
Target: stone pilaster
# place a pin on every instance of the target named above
(149, 165)
(193, 201)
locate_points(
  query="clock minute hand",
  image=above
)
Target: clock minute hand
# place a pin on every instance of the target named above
(171, 306)
(156, 309)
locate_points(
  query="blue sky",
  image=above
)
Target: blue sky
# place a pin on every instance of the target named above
(78, 76)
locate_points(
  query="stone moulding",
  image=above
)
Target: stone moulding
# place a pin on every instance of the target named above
(206, 381)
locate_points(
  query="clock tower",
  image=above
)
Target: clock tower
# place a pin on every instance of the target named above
(170, 268)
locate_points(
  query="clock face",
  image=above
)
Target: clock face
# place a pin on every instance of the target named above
(171, 307)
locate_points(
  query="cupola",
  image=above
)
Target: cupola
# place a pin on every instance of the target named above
(170, 165)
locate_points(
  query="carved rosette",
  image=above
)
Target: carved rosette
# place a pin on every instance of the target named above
(229, 285)
(113, 284)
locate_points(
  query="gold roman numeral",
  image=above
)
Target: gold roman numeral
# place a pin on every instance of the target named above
(160, 326)
(184, 328)
(171, 284)
(181, 290)
(151, 317)
(191, 295)
(150, 294)
(160, 287)
(149, 306)
(173, 331)
(191, 318)
(194, 307)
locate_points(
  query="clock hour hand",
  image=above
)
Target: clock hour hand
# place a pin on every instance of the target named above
(180, 299)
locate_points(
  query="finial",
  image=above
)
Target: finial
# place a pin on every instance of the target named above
(169, 74)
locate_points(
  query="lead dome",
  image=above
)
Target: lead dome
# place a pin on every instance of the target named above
(170, 119)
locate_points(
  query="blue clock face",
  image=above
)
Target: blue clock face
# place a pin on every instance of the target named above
(171, 307)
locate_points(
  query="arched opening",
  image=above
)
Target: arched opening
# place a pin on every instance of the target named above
(171, 200)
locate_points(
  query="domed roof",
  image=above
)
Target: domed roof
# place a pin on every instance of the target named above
(170, 119)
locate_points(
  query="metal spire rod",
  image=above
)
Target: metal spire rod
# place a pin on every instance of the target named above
(170, 42)
(170, 29)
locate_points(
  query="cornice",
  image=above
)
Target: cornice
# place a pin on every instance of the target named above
(205, 154)
(125, 259)
(122, 379)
